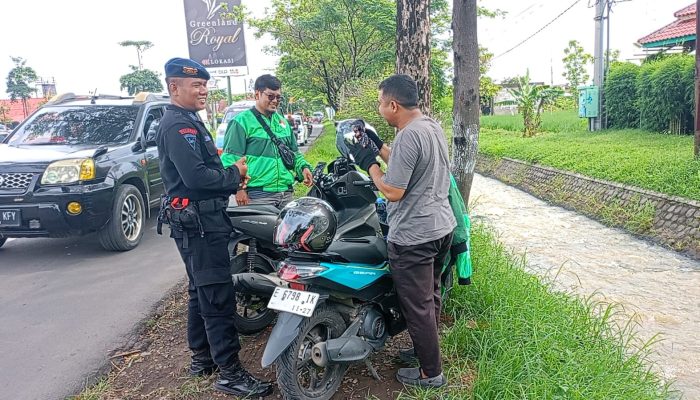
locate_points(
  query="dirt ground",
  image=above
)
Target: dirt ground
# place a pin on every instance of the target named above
(156, 365)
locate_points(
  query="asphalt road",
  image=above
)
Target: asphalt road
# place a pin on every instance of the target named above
(65, 304)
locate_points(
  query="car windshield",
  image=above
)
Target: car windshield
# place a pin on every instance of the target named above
(79, 125)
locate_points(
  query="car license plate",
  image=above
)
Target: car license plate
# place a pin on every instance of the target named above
(293, 301)
(9, 217)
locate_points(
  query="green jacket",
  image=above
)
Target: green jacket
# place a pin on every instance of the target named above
(246, 137)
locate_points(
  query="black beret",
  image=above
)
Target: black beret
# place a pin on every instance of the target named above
(185, 68)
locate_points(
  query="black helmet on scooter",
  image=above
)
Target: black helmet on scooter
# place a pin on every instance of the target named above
(307, 224)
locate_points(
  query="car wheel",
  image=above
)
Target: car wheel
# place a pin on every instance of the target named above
(2, 241)
(124, 230)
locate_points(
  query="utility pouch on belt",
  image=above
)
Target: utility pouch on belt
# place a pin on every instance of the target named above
(182, 216)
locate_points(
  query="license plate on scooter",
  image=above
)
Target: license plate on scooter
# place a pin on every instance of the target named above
(293, 301)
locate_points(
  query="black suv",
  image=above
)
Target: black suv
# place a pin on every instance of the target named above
(83, 164)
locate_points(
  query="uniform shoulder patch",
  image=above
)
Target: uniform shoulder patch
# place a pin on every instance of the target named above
(190, 135)
(187, 131)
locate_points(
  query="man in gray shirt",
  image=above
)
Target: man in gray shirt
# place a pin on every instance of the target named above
(421, 221)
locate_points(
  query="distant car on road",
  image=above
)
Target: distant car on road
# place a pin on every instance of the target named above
(231, 111)
(317, 117)
(299, 129)
(83, 164)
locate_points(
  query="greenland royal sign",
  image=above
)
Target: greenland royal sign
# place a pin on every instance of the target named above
(213, 41)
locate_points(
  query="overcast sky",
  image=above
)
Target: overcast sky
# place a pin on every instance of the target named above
(75, 41)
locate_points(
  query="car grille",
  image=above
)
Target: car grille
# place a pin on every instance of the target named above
(15, 180)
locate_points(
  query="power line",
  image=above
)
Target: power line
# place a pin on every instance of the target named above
(539, 30)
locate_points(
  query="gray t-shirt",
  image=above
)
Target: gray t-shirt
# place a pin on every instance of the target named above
(419, 163)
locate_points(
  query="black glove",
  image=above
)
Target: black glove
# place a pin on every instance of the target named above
(364, 157)
(374, 138)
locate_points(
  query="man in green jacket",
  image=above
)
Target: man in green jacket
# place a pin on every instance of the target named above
(270, 181)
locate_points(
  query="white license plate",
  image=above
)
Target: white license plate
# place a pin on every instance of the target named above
(293, 301)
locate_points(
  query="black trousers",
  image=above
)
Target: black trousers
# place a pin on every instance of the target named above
(416, 272)
(212, 303)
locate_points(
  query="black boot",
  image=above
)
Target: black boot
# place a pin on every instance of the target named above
(237, 381)
(202, 364)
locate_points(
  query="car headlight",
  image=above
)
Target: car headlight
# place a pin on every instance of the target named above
(69, 171)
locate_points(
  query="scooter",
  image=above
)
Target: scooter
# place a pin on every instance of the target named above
(254, 226)
(339, 306)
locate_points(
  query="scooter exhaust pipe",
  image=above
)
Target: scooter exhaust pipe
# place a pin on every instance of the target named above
(256, 283)
(340, 350)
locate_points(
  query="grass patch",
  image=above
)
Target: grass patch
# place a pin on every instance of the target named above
(555, 121)
(98, 391)
(663, 163)
(527, 342)
(637, 217)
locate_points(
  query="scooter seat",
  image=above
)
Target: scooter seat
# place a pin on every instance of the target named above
(258, 209)
(370, 250)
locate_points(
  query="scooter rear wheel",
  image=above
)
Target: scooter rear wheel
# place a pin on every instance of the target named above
(298, 376)
(252, 314)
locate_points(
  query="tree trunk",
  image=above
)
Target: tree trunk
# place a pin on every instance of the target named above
(465, 123)
(413, 46)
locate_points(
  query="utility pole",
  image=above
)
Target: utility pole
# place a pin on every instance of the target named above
(551, 72)
(598, 62)
(697, 83)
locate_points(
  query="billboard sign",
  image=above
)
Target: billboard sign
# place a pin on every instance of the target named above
(228, 71)
(213, 41)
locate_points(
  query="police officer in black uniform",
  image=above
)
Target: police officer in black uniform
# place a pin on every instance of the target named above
(197, 188)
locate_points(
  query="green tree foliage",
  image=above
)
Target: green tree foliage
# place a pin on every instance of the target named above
(141, 80)
(664, 86)
(621, 96)
(487, 87)
(140, 45)
(329, 43)
(18, 80)
(360, 101)
(531, 99)
(440, 65)
(658, 96)
(612, 55)
(575, 62)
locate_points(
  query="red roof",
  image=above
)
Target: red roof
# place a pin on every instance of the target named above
(682, 27)
(690, 10)
(16, 112)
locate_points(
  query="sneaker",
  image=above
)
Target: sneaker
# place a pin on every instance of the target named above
(408, 356)
(411, 377)
(237, 381)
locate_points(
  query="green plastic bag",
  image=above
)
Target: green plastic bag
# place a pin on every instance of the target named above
(460, 254)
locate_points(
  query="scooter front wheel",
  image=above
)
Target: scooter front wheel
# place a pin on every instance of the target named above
(298, 376)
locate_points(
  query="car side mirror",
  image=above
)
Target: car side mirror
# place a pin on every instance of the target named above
(152, 134)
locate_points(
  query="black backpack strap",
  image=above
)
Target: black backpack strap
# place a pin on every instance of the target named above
(265, 126)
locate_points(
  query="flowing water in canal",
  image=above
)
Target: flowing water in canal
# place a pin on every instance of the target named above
(660, 286)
